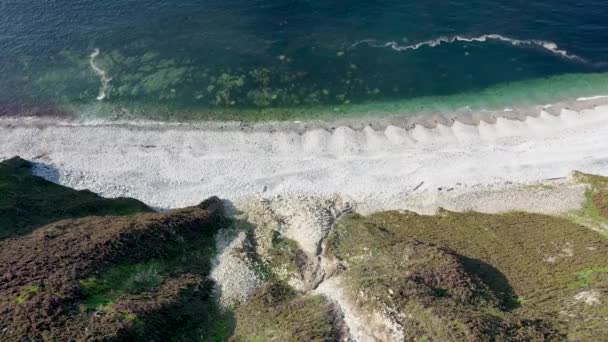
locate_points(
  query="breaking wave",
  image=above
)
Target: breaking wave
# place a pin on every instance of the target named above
(105, 80)
(547, 45)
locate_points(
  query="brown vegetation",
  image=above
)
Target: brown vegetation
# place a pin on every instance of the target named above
(277, 313)
(40, 290)
(471, 276)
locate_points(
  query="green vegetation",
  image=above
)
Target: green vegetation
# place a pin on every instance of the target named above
(596, 206)
(503, 259)
(590, 277)
(150, 271)
(285, 256)
(124, 279)
(121, 280)
(594, 213)
(28, 202)
(277, 313)
(198, 317)
(27, 293)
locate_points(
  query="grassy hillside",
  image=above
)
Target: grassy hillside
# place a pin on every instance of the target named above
(76, 266)
(535, 276)
(112, 278)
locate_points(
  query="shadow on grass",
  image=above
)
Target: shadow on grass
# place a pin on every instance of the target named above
(495, 279)
(28, 201)
(45, 171)
(193, 312)
(196, 316)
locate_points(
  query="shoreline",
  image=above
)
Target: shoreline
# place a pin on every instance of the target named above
(378, 121)
(177, 166)
(300, 183)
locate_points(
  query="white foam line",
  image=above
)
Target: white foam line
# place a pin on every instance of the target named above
(592, 98)
(547, 45)
(105, 80)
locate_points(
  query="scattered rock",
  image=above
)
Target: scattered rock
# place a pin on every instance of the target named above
(590, 297)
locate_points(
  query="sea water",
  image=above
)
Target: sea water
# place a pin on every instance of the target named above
(294, 60)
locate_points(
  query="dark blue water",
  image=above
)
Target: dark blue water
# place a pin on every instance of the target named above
(294, 59)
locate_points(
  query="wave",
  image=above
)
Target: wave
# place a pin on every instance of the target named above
(547, 45)
(105, 80)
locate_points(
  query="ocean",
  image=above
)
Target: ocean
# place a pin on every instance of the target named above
(260, 60)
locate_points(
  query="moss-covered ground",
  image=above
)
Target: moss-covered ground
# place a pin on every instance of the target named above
(284, 259)
(169, 286)
(124, 279)
(202, 319)
(28, 202)
(278, 313)
(596, 206)
(535, 265)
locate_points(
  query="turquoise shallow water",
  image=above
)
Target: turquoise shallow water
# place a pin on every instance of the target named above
(275, 60)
